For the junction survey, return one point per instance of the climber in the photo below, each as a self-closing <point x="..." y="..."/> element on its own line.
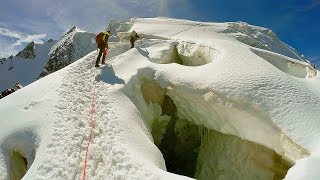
<point x="102" y="41"/>
<point x="133" y="38"/>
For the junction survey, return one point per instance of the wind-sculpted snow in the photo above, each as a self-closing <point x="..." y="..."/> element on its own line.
<point x="261" y="38"/>
<point x="188" y="100"/>
<point x="293" y="67"/>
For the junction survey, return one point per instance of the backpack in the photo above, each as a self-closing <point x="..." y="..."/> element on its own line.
<point x="99" y="38"/>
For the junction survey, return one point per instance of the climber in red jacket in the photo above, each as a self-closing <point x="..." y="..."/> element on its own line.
<point x="102" y="41"/>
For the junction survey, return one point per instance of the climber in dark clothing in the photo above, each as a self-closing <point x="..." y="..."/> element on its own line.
<point x="102" y="41"/>
<point x="133" y="38"/>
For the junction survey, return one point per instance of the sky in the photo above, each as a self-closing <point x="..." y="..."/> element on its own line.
<point x="296" y="22"/>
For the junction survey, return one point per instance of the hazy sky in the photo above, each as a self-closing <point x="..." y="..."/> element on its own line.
<point x="296" y="22"/>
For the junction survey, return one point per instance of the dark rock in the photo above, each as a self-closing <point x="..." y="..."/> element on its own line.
<point x="6" y="92"/>
<point x="71" y="30"/>
<point x="60" y="58"/>
<point x="28" y="52"/>
<point x="2" y="60"/>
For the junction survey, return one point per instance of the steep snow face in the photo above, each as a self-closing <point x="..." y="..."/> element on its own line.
<point x="39" y="60"/>
<point x="189" y="100"/>
<point x="26" y="66"/>
<point x="75" y="44"/>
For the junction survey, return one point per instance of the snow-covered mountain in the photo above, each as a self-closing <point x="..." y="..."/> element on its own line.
<point x="38" y="60"/>
<point x="192" y="100"/>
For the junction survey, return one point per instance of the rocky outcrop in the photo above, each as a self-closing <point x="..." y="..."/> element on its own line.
<point x="28" y="52"/>
<point x="72" y="30"/>
<point x="72" y="46"/>
<point x="2" y="60"/>
<point x="8" y="91"/>
<point x="59" y="59"/>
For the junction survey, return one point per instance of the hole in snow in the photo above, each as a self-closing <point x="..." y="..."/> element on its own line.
<point x="293" y="67"/>
<point x="178" y="145"/>
<point x="196" y="151"/>
<point x="19" y="153"/>
<point x="192" y="54"/>
<point x="188" y="54"/>
<point x="17" y="164"/>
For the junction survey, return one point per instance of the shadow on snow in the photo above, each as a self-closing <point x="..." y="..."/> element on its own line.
<point x="108" y="76"/>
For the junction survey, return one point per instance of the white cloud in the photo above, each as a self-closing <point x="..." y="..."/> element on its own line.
<point x="29" y="38"/>
<point x="53" y="17"/>
<point x="7" y="47"/>
<point x="94" y="15"/>
<point x="9" y="33"/>
<point x="6" y="50"/>
<point x="314" y="58"/>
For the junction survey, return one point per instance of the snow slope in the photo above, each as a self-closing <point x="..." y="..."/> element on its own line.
<point x="188" y="90"/>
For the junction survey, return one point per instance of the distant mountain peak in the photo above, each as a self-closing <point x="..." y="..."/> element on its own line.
<point x="28" y="52"/>
<point x="50" y="40"/>
<point x="73" y="29"/>
<point x="70" y="47"/>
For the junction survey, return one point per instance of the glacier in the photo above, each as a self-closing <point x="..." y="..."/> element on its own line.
<point x="192" y="100"/>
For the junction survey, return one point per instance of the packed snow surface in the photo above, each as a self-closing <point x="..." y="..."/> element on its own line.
<point x="266" y="97"/>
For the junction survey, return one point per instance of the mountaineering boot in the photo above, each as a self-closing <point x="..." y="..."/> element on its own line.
<point x="104" y="57"/>
<point x="97" y="62"/>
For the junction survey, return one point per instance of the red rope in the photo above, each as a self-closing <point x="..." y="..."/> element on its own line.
<point x="91" y="130"/>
